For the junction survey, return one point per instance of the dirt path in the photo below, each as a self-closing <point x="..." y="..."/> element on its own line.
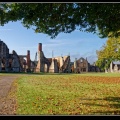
<point x="7" y="104"/>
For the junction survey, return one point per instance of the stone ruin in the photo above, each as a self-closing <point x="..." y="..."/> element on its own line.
<point x="114" y="67"/>
<point x="52" y="65"/>
<point x="17" y="63"/>
<point x="12" y="62"/>
<point x="82" y="65"/>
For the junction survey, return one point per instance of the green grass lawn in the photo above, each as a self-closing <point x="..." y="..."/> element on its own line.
<point x="68" y="94"/>
<point x="82" y="74"/>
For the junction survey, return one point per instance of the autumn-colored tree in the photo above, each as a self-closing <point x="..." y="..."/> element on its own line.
<point x="54" y="18"/>
<point x="109" y="52"/>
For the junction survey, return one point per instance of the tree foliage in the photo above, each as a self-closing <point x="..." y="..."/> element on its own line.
<point x="109" y="52"/>
<point x="54" y="18"/>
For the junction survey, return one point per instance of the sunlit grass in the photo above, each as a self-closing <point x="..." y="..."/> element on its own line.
<point x="68" y="94"/>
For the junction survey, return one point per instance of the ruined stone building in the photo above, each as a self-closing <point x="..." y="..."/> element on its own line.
<point x="114" y="67"/>
<point x="82" y="65"/>
<point x="94" y="68"/>
<point x="12" y="62"/>
<point x="53" y="65"/>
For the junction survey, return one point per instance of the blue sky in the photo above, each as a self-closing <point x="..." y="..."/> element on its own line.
<point x="78" y="44"/>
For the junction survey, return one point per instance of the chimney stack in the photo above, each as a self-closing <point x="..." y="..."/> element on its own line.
<point x="40" y="47"/>
<point x="28" y="52"/>
<point x="28" y="59"/>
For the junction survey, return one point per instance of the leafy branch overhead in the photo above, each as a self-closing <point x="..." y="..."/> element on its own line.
<point x="54" y="18"/>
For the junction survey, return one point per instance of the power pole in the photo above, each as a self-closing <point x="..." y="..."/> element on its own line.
<point x="69" y="54"/>
<point x="52" y="54"/>
<point x="35" y="57"/>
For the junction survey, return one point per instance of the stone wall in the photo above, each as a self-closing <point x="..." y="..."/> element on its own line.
<point x="53" y="67"/>
<point x="114" y="68"/>
<point x="48" y="64"/>
<point x="9" y="62"/>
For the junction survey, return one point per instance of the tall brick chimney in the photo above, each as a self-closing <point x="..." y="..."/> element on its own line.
<point x="40" y="47"/>
<point x="28" y="59"/>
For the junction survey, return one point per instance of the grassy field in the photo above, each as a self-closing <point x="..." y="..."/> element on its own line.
<point x="68" y="94"/>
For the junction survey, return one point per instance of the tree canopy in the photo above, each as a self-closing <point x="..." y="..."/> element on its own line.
<point x="54" y="18"/>
<point x="109" y="52"/>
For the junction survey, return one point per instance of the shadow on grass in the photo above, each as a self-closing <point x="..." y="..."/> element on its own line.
<point x="115" y="103"/>
<point x="112" y="112"/>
